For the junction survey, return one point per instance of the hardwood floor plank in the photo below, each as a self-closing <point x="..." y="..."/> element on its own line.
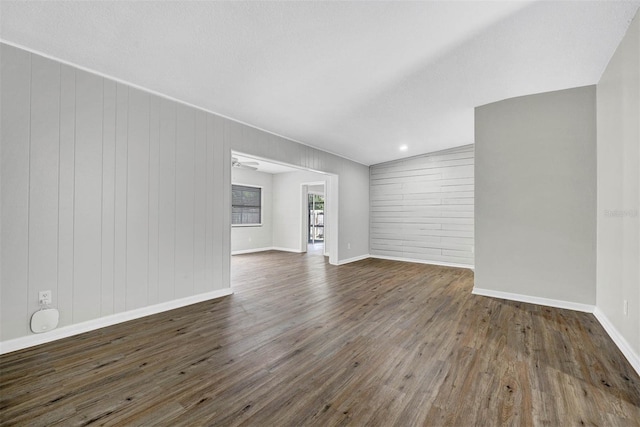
<point x="301" y="342"/>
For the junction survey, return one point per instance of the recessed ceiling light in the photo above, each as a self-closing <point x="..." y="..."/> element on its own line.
<point x="404" y="147"/>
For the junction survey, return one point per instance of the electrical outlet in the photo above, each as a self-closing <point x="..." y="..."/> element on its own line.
<point x="348" y="245"/>
<point x="44" y="297"/>
<point x="625" y="307"/>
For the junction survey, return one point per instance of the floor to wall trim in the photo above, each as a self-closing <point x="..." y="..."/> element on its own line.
<point x="621" y="342"/>
<point x="421" y="261"/>
<point x="250" y="251"/>
<point x="354" y="259"/>
<point x="297" y="251"/>
<point x="587" y="308"/>
<point x="90" y="325"/>
<point x="273" y="248"/>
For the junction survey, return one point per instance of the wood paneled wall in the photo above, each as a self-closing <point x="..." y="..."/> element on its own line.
<point x="113" y="198"/>
<point x="422" y="207"/>
<point x="117" y="199"/>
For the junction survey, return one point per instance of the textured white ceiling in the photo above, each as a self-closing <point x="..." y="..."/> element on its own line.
<point x="354" y="78"/>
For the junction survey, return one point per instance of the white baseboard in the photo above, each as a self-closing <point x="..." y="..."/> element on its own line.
<point x="421" y="261"/>
<point x="354" y="259"/>
<point x="250" y="251"/>
<point x="270" y="248"/>
<point x="90" y="325"/>
<point x="297" y="251"/>
<point x="621" y="342"/>
<point x="587" y="308"/>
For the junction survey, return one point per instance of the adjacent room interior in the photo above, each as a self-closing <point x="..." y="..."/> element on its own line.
<point x="320" y="213"/>
<point x="288" y="211"/>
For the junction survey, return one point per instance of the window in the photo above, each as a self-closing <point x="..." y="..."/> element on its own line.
<point x="246" y="205"/>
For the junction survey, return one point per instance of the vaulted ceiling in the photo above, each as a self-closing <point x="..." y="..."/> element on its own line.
<point x="358" y="79"/>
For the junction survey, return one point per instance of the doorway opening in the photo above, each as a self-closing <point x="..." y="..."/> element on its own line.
<point x="316" y="227"/>
<point x="316" y="218"/>
<point x="315" y="222"/>
<point x="288" y="223"/>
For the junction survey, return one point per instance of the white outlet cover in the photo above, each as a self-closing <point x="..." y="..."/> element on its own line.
<point x="44" y="320"/>
<point x="44" y="296"/>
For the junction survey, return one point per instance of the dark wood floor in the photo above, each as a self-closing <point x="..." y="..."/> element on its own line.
<point x="302" y="342"/>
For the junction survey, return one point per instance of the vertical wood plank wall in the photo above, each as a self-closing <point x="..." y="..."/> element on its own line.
<point x="117" y="199"/>
<point x="113" y="198"/>
<point x="422" y="207"/>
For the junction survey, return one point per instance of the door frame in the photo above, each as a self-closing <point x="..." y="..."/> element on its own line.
<point x="304" y="196"/>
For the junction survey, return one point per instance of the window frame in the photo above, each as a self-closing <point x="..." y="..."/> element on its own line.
<point x="259" y="187"/>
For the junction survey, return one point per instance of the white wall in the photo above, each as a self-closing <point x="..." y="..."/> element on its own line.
<point x="422" y="208"/>
<point x="618" y="266"/>
<point x="535" y="172"/>
<point x="248" y="239"/>
<point x="288" y="214"/>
